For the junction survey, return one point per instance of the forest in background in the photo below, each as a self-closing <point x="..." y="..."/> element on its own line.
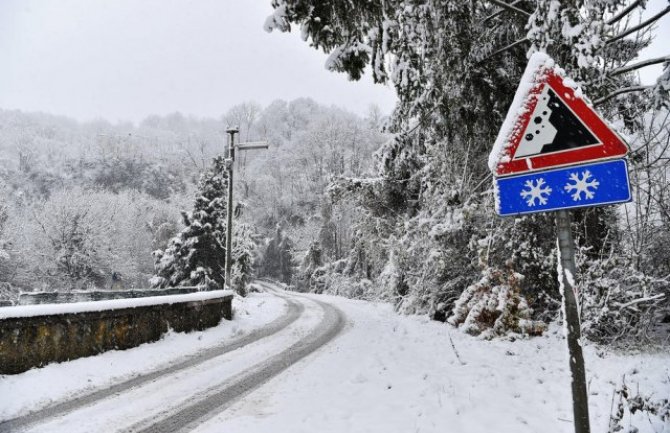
<point x="85" y="205"/>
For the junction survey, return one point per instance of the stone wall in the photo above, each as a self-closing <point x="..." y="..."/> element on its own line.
<point x="28" y="342"/>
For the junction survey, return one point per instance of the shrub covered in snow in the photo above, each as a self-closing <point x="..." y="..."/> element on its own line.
<point x="632" y="410"/>
<point x="336" y="278"/>
<point x="494" y="306"/>
<point x="620" y="304"/>
<point x="326" y="280"/>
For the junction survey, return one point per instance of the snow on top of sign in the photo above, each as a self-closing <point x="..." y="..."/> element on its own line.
<point x="537" y="65"/>
<point x="112" y="304"/>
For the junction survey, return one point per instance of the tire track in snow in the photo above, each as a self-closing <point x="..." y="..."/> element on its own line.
<point x="222" y="396"/>
<point x="295" y="310"/>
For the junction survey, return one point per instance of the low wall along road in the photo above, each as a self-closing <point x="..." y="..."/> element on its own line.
<point x="35" y="335"/>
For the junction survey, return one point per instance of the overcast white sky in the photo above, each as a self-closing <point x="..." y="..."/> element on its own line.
<point x="126" y="59"/>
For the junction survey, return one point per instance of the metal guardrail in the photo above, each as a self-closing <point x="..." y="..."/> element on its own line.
<point x="34" y="298"/>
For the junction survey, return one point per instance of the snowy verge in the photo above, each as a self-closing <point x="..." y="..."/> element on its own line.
<point x="397" y="374"/>
<point x="112" y="304"/>
<point x="41" y="387"/>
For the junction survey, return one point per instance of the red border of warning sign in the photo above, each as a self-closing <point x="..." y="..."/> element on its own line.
<point x="612" y="146"/>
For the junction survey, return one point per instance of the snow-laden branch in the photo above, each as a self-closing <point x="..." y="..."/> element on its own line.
<point x="495" y="14"/>
<point x="649" y="62"/>
<point x="639" y="26"/>
<point x="510" y="7"/>
<point x="507" y="48"/>
<point x="621" y="92"/>
<point x="616" y="18"/>
<point x="646" y="299"/>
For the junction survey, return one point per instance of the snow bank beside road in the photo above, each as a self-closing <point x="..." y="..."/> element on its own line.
<point x="40" y="387"/>
<point x="112" y="304"/>
<point x="395" y="374"/>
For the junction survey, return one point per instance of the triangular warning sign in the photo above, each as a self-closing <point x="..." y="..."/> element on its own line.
<point x="550" y="125"/>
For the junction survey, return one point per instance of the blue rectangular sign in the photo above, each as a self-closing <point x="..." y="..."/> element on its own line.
<point x="586" y="185"/>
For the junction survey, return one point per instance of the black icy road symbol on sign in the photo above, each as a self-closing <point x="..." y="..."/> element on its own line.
<point x="553" y="127"/>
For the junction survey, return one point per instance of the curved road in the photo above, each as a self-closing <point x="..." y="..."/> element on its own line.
<point x="185" y="394"/>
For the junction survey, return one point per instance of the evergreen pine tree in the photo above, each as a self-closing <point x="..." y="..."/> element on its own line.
<point x="196" y="255"/>
<point x="243" y="258"/>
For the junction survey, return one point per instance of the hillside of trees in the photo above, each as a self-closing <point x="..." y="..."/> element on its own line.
<point x="98" y="205"/>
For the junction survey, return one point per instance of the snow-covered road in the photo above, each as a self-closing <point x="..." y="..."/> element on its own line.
<point x="182" y="393"/>
<point x="383" y="373"/>
<point x="389" y="373"/>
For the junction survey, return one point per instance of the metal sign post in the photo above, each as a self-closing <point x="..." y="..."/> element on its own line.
<point x="567" y="271"/>
<point x="229" y="166"/>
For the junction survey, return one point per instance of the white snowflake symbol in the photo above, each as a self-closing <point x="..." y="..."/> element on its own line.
<point x="582" y="184"/>
<point x="536" y="191"/>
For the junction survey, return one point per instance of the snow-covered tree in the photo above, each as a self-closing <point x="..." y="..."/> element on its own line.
<point x="7" y="291"/>
<point x="243" y="258"/>
<point x="196" y="255"/>
<point x="244" y="116"/>
<point x="328" y="233"/>
<point x="304" y="280"/>
<point x="455" y="67"/>
<point x="4" y="254"/>
<point x="277" y="260"/>
<point x="130" y="172"/>
<point x="79" y="238"/>
<point x="68" y="239"/>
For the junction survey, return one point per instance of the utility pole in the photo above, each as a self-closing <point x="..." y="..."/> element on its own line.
<point x="230" y="161"/>
<point x="229" y="227"/>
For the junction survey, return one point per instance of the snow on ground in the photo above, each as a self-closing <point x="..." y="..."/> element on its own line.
<point x="384" y="373"/>
<point x="169" y="393"/>
<point x="39" y="387"/>
<point x="388" y="373"/>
